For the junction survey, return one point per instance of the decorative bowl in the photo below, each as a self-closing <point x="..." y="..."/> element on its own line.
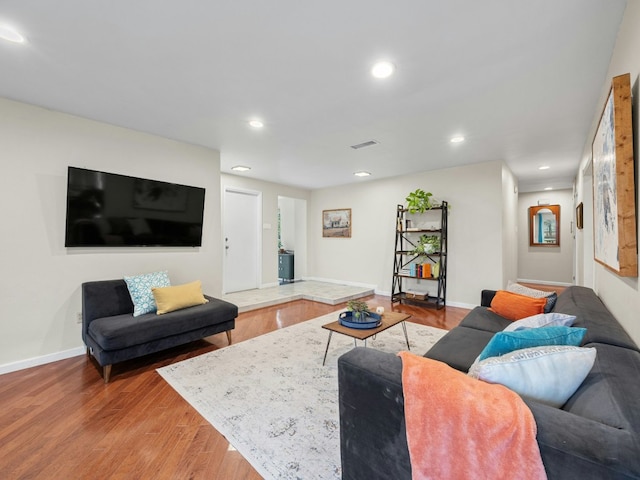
<point x="347" y="319"/>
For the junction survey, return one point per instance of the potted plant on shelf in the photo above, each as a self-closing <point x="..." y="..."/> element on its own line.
<point x="419" y="201"/>
<point x="427" y="244"/>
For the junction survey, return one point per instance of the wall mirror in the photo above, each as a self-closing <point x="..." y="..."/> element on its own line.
<point x="544" y="226"/>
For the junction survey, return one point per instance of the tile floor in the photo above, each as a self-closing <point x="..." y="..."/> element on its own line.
<point x="329" y="293"/>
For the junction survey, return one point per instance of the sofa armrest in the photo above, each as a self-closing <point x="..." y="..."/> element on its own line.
<point x="373" y="439"/>
<point x="487" y="296"/>
<point x="574" y="447"/>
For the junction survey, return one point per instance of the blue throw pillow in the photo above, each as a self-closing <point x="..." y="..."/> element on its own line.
<point x="140" y="290"/>
<point x="505" y="342"/>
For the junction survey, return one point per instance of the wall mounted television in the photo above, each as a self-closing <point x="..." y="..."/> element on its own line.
<point x="111" y="210"/>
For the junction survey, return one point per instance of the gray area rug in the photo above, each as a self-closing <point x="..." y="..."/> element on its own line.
<point x="274" y="401"/>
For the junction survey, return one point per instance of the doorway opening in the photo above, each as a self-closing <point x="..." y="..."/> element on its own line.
<point x="292" y="239"/>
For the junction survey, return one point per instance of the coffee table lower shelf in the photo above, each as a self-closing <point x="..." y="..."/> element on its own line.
<point x="389" y="319"/>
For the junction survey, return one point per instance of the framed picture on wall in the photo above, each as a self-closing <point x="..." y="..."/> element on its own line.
<point x="614" y="203"/>
<point x="336" y="223"/>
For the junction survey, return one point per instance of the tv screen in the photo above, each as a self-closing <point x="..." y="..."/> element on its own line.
<point x="106" y="209"/>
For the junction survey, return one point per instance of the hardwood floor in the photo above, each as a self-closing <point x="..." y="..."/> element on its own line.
<point x="60" y="421"/>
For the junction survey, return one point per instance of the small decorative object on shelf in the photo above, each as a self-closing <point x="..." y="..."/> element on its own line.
<point x="359" y="316"/>
<point x="421" y="251"/>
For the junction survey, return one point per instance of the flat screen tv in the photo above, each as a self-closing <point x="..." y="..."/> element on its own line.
<point x="106" y="209"/>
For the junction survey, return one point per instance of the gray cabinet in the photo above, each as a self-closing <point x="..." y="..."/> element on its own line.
<point x="285" y="266"/>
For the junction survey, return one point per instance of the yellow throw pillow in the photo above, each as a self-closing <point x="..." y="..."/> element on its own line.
<point x="170" y="299"/>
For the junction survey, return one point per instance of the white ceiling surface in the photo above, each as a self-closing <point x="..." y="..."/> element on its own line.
<point x="521" y="80"/>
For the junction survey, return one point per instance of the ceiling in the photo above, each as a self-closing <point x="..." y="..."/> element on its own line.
<point x="521" y="80"/>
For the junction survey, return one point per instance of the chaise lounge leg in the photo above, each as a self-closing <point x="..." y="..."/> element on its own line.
<point x="229" y="336"/>
<point x="106" y="373"/>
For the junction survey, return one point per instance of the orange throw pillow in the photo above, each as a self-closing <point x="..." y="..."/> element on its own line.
<point x="514" y="307"/>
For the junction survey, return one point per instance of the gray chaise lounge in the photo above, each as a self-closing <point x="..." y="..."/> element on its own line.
<point x="112" y="334"/>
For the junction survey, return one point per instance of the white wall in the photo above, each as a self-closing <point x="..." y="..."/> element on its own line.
<point x="40" y="285"/>
<point x="620" y="294"/>
<point x="546" y="264"/>
<point x="509" y="226"/>
<point x="475" y="229"/>
<point x="270" y="192"/>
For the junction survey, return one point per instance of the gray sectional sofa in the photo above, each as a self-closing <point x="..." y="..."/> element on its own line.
<point x="112" y="334"/>
<point x="595" y="435"/>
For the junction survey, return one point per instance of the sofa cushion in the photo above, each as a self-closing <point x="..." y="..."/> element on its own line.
<point x="122" y="331"/>
<point x="514" y="307"/>
<point x="140" y="290"/>
<point x="548" y="374"/>
<point x="481" y="318"/>
<point x="553" y="319"/>
<point x="505" y="342"/>
<point x="460" y="347"/>
<point x="611" y="392"/>
<point x="590" y="312"/>
<point x="170" y="299"/>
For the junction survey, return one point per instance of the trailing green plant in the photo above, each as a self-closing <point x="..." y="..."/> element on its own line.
<point x="427" y="244"/>
<point x="359" y="308"/>
<point x="419" y="201"/>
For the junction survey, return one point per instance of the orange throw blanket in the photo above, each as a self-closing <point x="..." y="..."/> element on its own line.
<point x="462" y="428"/>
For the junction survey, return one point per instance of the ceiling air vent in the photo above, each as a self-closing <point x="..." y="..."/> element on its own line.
<point x="370" y="143"/>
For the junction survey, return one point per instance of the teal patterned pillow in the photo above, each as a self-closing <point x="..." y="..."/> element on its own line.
<point x="140" y="290"/>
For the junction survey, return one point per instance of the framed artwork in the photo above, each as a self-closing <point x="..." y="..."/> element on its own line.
<point x="579" y="216"/>
<point x="614" y="206"/>
<point x="336" y="223"/>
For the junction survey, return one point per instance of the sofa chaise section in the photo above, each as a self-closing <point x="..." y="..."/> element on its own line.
<point x="594" y="435"/>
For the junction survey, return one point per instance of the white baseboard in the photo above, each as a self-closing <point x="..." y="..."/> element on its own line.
<point x="468" y="306"/>
<point x="340" y="282"/>
<point x="44" y="359"/>
<point x="544" y="282"/>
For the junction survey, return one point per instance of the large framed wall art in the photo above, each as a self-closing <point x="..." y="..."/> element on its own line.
<point x="614" y="206"/>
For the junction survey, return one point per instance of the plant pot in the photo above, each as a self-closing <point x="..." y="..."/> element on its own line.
<point x="429" y="248"/>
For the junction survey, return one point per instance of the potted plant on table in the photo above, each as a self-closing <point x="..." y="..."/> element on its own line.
<point x="359" y="316"/>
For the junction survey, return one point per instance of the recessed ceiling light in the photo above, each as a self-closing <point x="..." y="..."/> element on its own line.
<point x="10" y="34"/>
<point x="457" y="139"/>
<point x="548" y="188"/>
<point x="544" y="167"/>
<point x="256" y="124"/>
<point x="383" y="69"/>
<point x="241" y="168"/>
<point x="362" y="174"/>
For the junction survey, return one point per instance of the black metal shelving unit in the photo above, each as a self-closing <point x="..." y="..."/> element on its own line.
<point x="406" y="242"/>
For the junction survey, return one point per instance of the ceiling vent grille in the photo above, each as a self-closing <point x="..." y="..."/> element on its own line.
<point x="370" y="143"/>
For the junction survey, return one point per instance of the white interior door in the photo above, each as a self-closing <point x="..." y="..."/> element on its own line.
<point x="242" y="239"/>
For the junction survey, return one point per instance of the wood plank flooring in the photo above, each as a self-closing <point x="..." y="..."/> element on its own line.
<point x="60" y="421"/>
